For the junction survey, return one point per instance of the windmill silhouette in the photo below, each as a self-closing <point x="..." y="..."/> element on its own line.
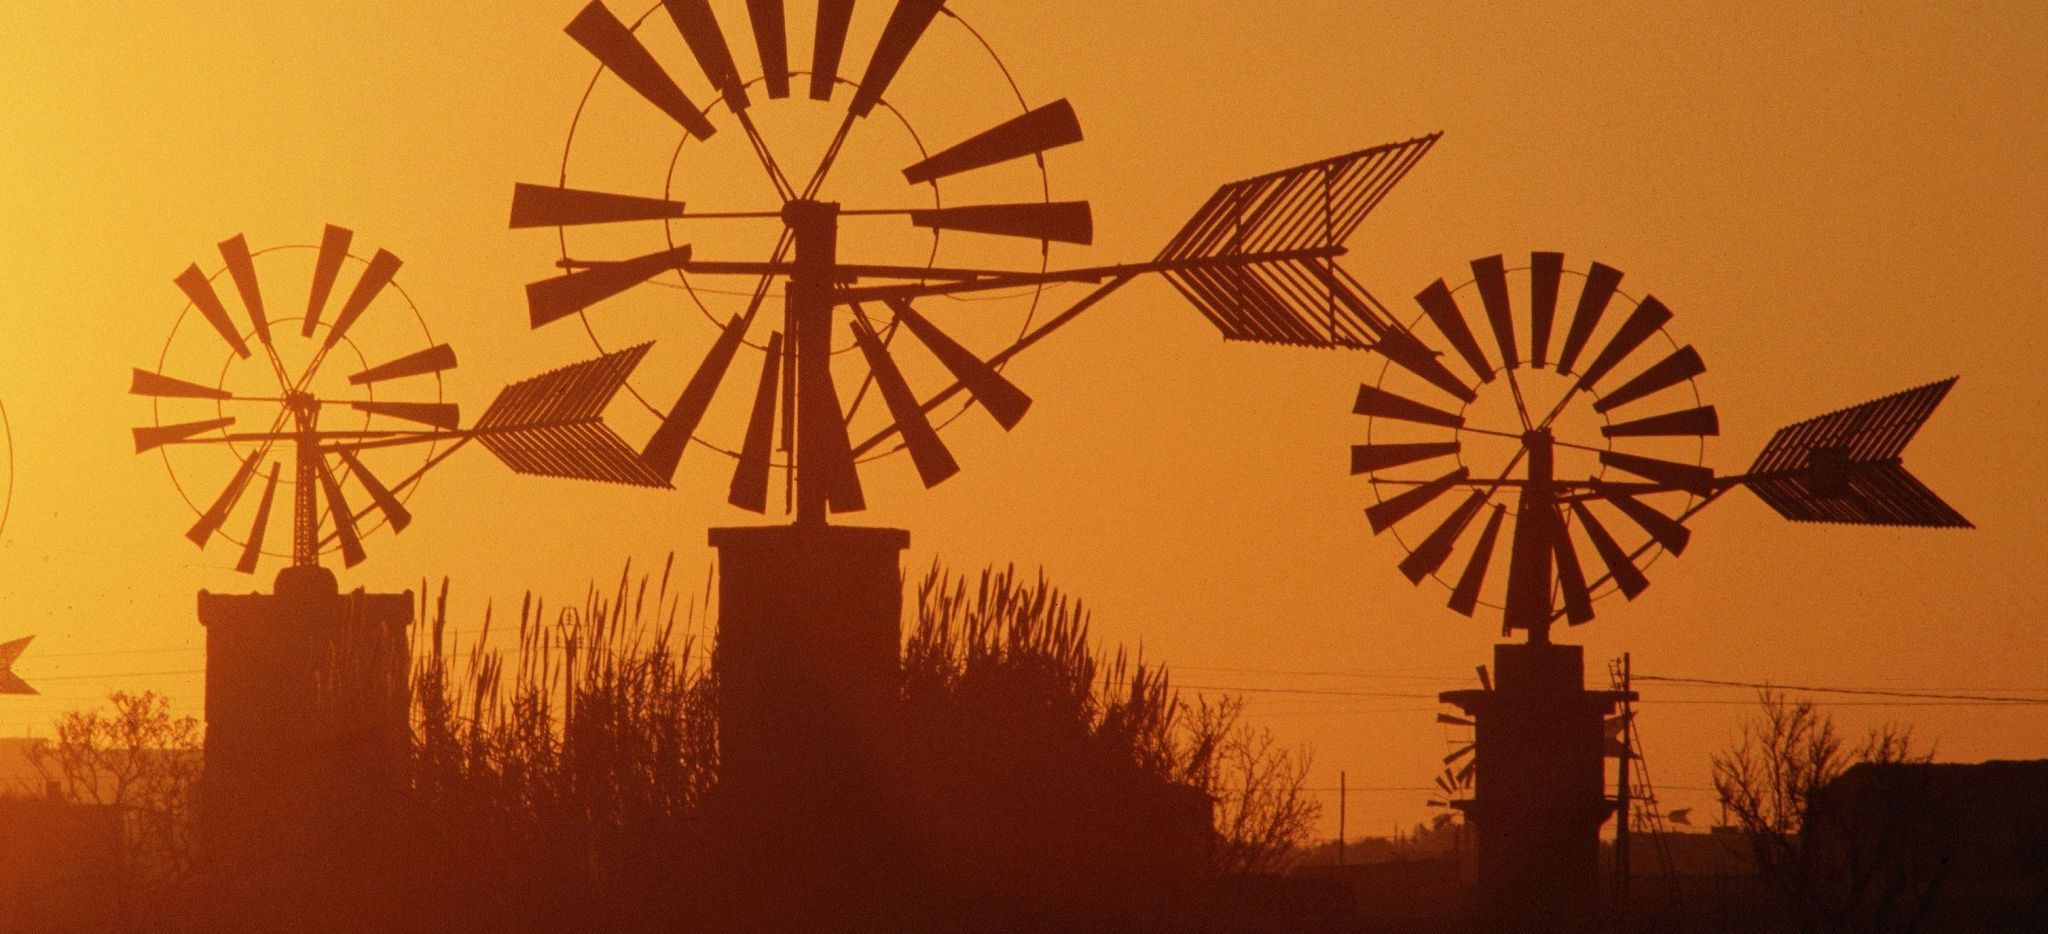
<point x="809" y="611"/>
<point x="1593" y="451"/>
<point x="307" y="699"/>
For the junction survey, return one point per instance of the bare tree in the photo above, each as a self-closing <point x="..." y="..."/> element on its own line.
<point x="1263" y="810"/>
<point x="1849" y="836"/>
<point x="144" y="762"/>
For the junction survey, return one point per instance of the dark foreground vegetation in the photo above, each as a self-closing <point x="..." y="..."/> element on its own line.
<point x="564" y="775"/>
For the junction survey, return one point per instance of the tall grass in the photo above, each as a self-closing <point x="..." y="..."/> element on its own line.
<point x="562" y="781"/>
<point x="1011" y="660"/>
<point x="563" y="776"/>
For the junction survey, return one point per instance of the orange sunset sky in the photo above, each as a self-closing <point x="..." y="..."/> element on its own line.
<point x="1837" y="204"/>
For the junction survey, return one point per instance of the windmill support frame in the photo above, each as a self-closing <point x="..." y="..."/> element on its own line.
<point x="1539" y="794"/>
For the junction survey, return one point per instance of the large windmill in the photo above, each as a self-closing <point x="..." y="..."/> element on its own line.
<point x="906" y="274"/>
<point x="1574" y="436"/>
<point x="338" y="412"/>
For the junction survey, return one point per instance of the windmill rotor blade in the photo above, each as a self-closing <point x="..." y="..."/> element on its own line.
<point x="1395" y="508"/>
<point x="1649" y="316"/>
<point x="1442" y="308"/>
<point x="1620" y="566"/>
<point x="156" y="436"/>
<point x="443" y="415"/>
<point x="383" y="268"/>
<point x="242" y="268"/>
<point x="551" y="300"/>
<point x="252" y="548"/>
<point x="906" y="25"/>
<point x="771" y="38"/>
<point x="699" y="27"/>
<point x="664" y="451"/>
<point x="1464" y="777"/>
<point x="334" y="243"/>
<point x="985" y="383"/>
<point x="615" y="46"/>
<point x="434" y="359"/>
<point x="1683" y="364"/>
<point x="934" y="463"/>
<point x="828" y="454"/>
<point x="1465" y="596"/>
<point x="1436" y="549"/>
<point x="1458" y="753"/>
<point x="1701" y="422"/>
<point x="210" y="521"/>
<point x="344" y="519"/>
<point x="1689" y="477"/>
<point x="1571" y="578"/>
<point x="1379" y="403"/>
<point x="552" y="206"/>
<point x="1601" y="283"/>
<point x="1063" y="221"/>
<point x="1491" y="275"/>
<point x="145" y="383"/>
<point x="1366" y="458"/>
<point x="1663" y="529"/>
<point x="1444" y="785"/>
<point x="1546" y="270"/>
<point x="833" y="18"/>
<point x="750" y="479"/>
<point x="1028" y="134"/>
<point x="387" y="502"/>
<point x="1409" y="354"/>
<point x="1449" y="720"/>
<point x="194" y="284"/>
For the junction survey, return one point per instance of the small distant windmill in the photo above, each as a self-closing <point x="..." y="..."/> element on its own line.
<point x="307" y="698"/>
<point x="1557" y="450"/>
<point x="1552" y="450"/>
<point x="310" y="401"/>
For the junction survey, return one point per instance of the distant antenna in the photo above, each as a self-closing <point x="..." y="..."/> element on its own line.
<point x="304" y="403"/>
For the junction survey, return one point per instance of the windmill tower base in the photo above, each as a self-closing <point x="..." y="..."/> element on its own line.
<point x="808" y="661"/>
<point x="1539" y="792"/>
<point x="306" y="743"/>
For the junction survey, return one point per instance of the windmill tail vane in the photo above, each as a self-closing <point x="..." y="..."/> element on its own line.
<point x="1846" y="467"/>
<point x="11" y="683"/>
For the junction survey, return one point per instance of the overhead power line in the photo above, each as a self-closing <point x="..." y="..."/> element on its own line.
<point x="1869" y="692"/>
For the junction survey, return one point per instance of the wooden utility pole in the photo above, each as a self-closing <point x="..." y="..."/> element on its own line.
<point x="1341" y="794"/>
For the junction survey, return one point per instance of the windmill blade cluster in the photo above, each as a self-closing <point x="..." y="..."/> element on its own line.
<point x="1555" y="516"/>
<point x="292" y="408"/>
<point x="1845" y="467"/>
<point x="786" y="389"/>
